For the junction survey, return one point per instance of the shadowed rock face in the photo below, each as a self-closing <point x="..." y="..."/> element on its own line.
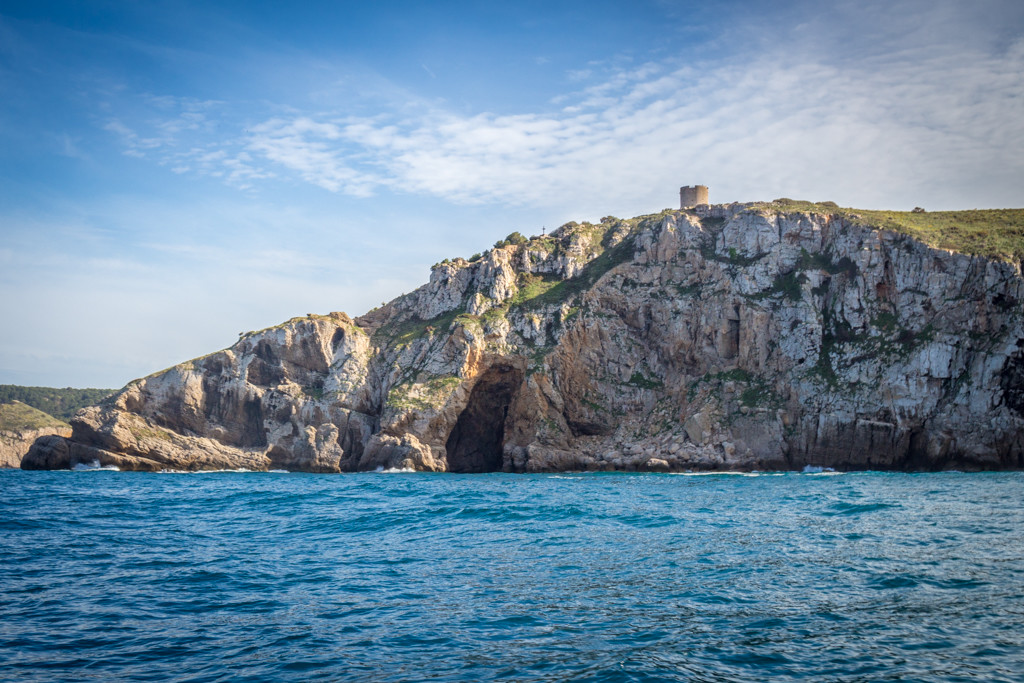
<point x="476" y="444"/>
<point x="760" y="340"/>
<point x="1011" y="380"/>
<point x="15" y="444"/>
<point x="20" y="427"/>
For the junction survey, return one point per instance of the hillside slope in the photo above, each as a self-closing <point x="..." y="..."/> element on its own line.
<point x="60" y="403"/>
<point x="20" y="426"/>
<point x="768" y="337"/>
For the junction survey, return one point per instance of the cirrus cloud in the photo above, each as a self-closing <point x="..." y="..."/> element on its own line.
<point x="916" y="121"/>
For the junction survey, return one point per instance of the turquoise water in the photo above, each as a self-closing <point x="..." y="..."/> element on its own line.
<point x="599" y="577"/>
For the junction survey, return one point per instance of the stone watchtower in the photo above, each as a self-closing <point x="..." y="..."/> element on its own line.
<point x="693" y="196"/>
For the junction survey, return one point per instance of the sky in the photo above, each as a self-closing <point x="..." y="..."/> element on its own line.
<point x="174" y="173"/>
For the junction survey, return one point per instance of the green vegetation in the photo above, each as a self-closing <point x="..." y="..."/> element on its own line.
<point x="16" y="416"/>
<point x="756" y="392"/>
<point x="819" y="261"/>
<point x="548" y="245"/>
<point x="712" y="224"/>
<point x="734" y="375"/>
<point x="734" y="258"/>
<point x="638" y="380"/>
<point x="559" y="291"/>
<point x="885" y="321"/>
<point x="887" y="340"/>
<point x="787" y="285"/>
<point x="586" y="240"/>
<point x="532" y="286"/>
<point x="422" y="395"/>
<point x="993" y="233"/>
<point x="542" y="290"/>
<point x="604" y="246"/>
<point x="141" y="431"/>
<point x="60" y="403"/>
<point x="759" y="394"/>
<point x="689" y="290"/>
<point x="315" y="391"/>
<point x="537" y="357"/>
<point x="823" y="367"/>
<point x="406" y="331"/>
<point x="516" y="238"/>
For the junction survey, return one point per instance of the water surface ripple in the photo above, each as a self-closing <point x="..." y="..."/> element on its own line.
<point x="409" y="577"/>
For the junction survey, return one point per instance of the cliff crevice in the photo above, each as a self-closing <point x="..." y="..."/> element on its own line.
<point x="767" y="339"/>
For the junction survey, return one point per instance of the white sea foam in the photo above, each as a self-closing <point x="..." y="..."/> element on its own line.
<point x="714" y="473"/>
<point x="200" y="471"/>
<point x="241" y="469"/>
<point x="278" y="471"/>
<point x="394" y="470"/>
<point x="817" y="469"/>
<point x="94" y="466"/>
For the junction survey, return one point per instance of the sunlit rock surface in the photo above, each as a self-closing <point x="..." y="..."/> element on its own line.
<point x="761" y="340"/>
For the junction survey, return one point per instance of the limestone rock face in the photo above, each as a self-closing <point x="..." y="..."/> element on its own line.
<point x="761" y="340"/>
<point x="15" y="444"/>
<point x="20" y="426"/>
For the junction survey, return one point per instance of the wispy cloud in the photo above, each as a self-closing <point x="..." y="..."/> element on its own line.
<point x="170" y="296"/>
<point x="312" y="149"/>
<point x="906" y="122"/>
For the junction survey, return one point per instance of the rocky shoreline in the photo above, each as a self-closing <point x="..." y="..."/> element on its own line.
<point x="20" y="427"/>
<point x="757" y="339"/>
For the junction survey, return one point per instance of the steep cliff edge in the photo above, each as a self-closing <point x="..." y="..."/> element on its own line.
<point x="20" y="426"/>
<point x="759" y="339"/>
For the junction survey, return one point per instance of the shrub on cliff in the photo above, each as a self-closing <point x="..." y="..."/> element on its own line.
<point x="513" y="239"/>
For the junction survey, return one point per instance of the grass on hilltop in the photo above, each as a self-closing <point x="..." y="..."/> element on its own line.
<point x="993" y="233"/>
<point x="17" y="416"/>
<point x="61" y="403"/>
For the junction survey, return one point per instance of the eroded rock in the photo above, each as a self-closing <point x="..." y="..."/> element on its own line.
<point x="758" y="341"/>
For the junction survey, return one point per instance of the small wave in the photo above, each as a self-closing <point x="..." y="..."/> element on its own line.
<point x="279" y="471"/>
<point x="817" y="469"/>
<point x="94" y="466"/>
<point x="716" y="473"/>
<point x="843" y="508"/>
<point x="394" y="470"/>
<point x="893" y="581"/>
<point x="169" y="471"/>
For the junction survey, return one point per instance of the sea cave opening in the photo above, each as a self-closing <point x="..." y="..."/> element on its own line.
<point x="476" y="444"/>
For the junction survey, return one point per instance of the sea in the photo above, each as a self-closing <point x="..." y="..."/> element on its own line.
<point x="395" y="576"/>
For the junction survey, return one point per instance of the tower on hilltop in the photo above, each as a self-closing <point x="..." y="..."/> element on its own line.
<point x="693" y="196"/>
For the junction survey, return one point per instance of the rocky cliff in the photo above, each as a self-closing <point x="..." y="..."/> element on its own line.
<point x="757" y="339"/>
<point x="20" y="426"/>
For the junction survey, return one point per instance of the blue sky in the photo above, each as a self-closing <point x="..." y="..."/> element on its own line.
<point x="174" y="173"/>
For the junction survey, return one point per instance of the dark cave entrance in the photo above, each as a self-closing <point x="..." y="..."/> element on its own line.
<point x="476" y="443"/>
